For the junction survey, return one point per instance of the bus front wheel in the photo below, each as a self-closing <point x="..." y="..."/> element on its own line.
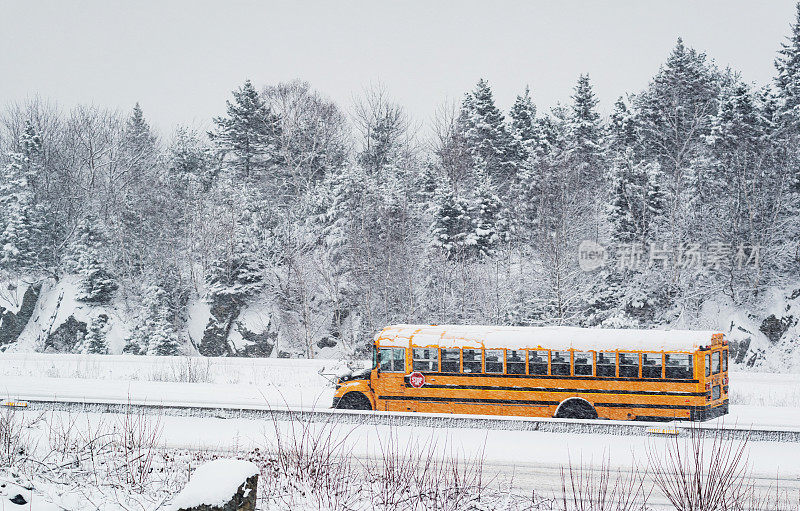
<point x="575" y="409"/>
<point x="354" y="401"/>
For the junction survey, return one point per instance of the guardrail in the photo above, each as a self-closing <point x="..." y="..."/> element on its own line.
<point x="405" y="419"/>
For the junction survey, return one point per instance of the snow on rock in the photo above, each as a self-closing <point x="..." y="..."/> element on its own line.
<point x="58" y="307"/>
<point x="199" y="314"/>
<point x="216" y="483"/>
<point x="15" y="497"/>
<point x="11" y="295"/>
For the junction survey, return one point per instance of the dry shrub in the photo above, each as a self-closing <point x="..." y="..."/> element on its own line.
<point x="704" y="472"/>
<point x="311" y="465"/>
<point x="184" y="370"/>
<point x="13" y="438"/>
<point x="416" y="476"/>
<point x="586" y="489"/>
<point x="137" y="437"/>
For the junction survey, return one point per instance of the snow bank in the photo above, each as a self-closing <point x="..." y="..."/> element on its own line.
<point x="214" y="483"/>
<point x="559" y="337"/>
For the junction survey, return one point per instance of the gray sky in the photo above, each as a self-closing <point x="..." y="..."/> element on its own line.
<point x="181" y="59"/>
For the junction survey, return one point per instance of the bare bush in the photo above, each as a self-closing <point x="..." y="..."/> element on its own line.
<point x="705" y="472"/>
<point x="586" y="489"/>
<point x="137" y="438"/>
<point x="185" y="370"/>
<point x="13" y="438"/>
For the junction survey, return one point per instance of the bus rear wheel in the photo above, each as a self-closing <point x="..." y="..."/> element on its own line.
<point x="354" y="401"/>
<point x="575" y="409"/>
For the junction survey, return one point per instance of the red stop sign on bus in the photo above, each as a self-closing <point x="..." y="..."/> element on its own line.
<point x="416" y="379"/>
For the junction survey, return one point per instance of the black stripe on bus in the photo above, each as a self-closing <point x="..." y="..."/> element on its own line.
<point x="529" y="402"/>
<point x="545" y="389"/>
<point x="468" y="400"/>
<point x="559" y="377"/>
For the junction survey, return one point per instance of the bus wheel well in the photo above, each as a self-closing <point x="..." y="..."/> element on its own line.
<point x="575" y="408"/>
<point x="354" y="401"/>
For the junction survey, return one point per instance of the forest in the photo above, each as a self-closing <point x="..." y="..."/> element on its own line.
<point x="295" y="226"/>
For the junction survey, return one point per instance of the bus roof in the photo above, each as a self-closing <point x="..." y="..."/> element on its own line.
<point x="553" y="337"/>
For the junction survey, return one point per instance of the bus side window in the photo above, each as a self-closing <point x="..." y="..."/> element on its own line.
<point x="559" y="364"/>
<point x="426" y="359"/>
<point x="725" y="360"/>
<point x="537" y="362"/>
<point x="472" y="361"/>
<point x="494" y="361"/>
<point x="607" y="364"/>
<point x="393" y="360"/>
<point x="399" y="355"/>
<point x="708" y="365"/>
<point x="715" y="362"/>
<point x="451" y="360"/>
<point x="584" y="363"/>
<point x="515" y="362"/>
<point x="651" y="365"/>
<point x="679" y="366"/>
<point x="629" y="365"/>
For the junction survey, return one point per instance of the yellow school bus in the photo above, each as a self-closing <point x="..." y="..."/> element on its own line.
<point x="564" y="372"/>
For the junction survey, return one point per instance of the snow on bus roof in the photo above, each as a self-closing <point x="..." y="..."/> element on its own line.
<point x="552" y="337"/>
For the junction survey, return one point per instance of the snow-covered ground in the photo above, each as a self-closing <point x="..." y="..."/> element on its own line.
<point x="523" y="459"/>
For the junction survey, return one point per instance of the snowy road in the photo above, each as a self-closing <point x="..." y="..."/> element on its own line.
<point x="758" y="400"/>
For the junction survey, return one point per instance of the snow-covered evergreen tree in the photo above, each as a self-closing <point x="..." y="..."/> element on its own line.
<point x="155" y="333"/>
<point x="21" y="218"/>
<point x="787" y="64"/>
<point x="95" y="340"/>
<point x="636" y="198"/>
<point x="190" y="162"/>
<point x="488" y="139"/>
<point x="585" y="135"/>
<point x="524" y="129"/>
<point x="488" y="219"/>
<point x="452" y="231"/>
<point x="85" y="258"/>
<point x="248" y="136"/>
<point x="621" y="128"/>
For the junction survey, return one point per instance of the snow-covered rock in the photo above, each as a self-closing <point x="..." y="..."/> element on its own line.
<point x="219" y="485"/>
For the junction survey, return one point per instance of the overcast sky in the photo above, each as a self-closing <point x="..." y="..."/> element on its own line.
<point x="180" y="60"/>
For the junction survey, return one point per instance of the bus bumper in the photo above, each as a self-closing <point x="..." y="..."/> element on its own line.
<point x="704" y="413"/>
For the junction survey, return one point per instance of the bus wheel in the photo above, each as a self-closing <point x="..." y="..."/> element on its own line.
<point x="354" y="401"/>
<point x="575" y="409"/>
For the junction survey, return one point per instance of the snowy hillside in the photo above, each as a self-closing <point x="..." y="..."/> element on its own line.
<point x="298" y="228"/>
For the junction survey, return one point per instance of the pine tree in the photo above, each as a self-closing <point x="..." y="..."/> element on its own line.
<point x="523" y="129"/>
<point x="248" y="136"/>
<point x="490" y="226"/>
<point x="190" y="162"/>
<point x="621" y="128"/>
<point x="21" y="218"/>
<point x="676" y="110"/>
<point x="788" y="66"/>
<point x="155" y="333"/>
<point x="485" y="131"/>
<point x="140" y="146"/>
<point x="636" y="199"/>
<point x="95" y="340"/>
<point x="85" y="258"/>
<point x="585" y="135"/>
<point x="452" y="230"/>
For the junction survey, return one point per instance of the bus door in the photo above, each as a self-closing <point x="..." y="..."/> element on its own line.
<point x="390" y="381"/>
<point x="714" y="375"/>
